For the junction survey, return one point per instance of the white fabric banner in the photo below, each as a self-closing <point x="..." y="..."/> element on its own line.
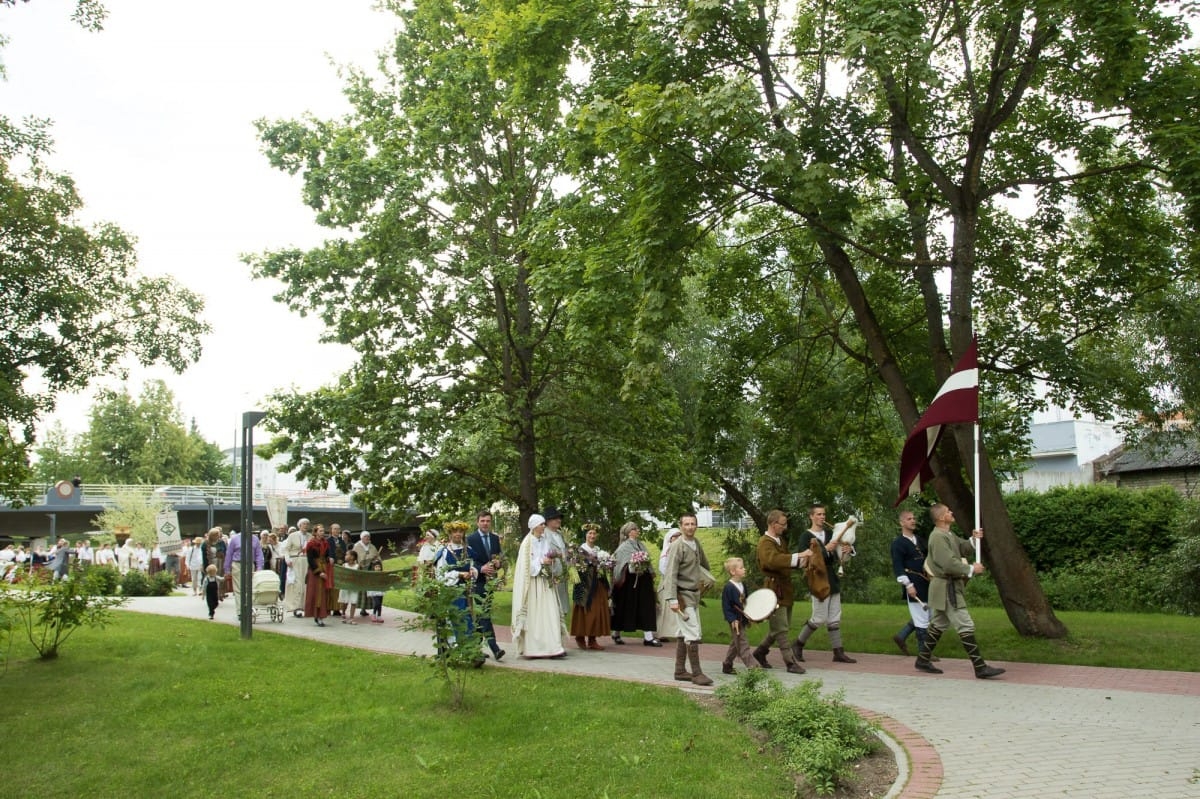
<point x="167" y="525"/>
<point x="277" y="510"/>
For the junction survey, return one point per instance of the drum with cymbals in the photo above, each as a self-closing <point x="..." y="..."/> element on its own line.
<point x="760" y="604"/>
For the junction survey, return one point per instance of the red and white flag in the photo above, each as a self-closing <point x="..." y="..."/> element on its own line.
<point x="957" y="401"/>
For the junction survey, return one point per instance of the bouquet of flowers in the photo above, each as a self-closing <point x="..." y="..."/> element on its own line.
<point x="548" y="568"/>
<point x="639" y="562"/>
<point x="500" y="575"/>
<point x="574" y="561"/>
<point x="605" y="561"/>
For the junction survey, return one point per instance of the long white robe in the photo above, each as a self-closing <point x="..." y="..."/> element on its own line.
<point x="292" y="548"/>
<point x="537" y="625"/>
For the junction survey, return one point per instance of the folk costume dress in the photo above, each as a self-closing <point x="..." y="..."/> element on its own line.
<point x="589" y="615"/>
<point x="318" y="588"/>
<point x="536" y="616"/>
<point x="453" y="568"/>
<point x="633" y="596"/>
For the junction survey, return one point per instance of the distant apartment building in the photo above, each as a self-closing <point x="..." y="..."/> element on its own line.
<point x="1064" y="450"/>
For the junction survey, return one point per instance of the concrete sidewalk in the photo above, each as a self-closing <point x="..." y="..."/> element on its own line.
<point x="1037" y="731"/>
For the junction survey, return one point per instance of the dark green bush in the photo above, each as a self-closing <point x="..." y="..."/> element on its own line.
<point x="136" y="583"/>
<point x="1180" y="568"/>
<point x="1107" y="584"/>
<point x="1076" y="524"/>
<point x="821" y="737"/>
<point x="162" y="584"/>
<point x="102" y="580"/>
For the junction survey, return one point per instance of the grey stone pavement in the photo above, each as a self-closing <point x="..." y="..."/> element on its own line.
<point x="1037" y="731"/>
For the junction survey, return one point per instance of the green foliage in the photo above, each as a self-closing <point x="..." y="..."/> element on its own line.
<point x="132" y="441"/>
<point x="1076" y="524"/>
<point x="457" y="641"/>
<point x="136" y="583"/>
<point x="1180" y="568"/>
<point x="820" y="737"/>
<point x="102" y="580"/>
<point x="132" y="509"/>
<point x="50" y="612"/>
<point x="491" y="341"/>
<point x="73" y="305"/>
<point x="1107" y="583"/>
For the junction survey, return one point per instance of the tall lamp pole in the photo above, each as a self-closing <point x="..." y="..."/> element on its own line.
<point x="249" y="419"/>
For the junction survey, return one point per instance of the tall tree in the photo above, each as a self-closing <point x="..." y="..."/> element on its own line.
<point x="478" y="377"/>
<point x="72" y="304"/>
<point x="144" y="440"/>
<point x="898" y="138"/>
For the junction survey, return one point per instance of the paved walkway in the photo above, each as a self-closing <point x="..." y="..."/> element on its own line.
<point x="1037" y="731"/>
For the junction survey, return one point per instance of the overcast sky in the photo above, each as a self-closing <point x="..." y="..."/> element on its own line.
<point x="153" y="118"/>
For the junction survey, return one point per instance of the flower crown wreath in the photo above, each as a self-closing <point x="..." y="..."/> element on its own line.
<point x="456" y="527"/>
<point x="591" y="526"/>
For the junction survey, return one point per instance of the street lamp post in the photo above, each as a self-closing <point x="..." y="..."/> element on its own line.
<point x="249" y="419"/>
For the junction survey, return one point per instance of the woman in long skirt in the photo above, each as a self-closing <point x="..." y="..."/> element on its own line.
<point x="633" y="594"/>
<point x="536" y="618"/>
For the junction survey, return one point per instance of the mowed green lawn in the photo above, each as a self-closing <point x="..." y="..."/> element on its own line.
<point x="154" y="706"/>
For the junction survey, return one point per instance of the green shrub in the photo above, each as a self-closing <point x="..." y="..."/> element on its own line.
<point x="1076" y="524"/>
<point x="820" y="737"/>
<point x="162" y="584"/>
<point x="982" y="591"/>
<point x="1108" y="584"/>
<point x="103" y="580"/>
<point x="50" y="613"/>
<point x="1180" y="575"/>
<point x="136" y="583"/>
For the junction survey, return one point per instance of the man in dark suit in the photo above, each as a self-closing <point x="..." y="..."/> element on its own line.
<point x="482" y="546"/>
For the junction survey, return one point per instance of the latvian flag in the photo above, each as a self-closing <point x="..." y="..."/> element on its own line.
<point x="956" y="401"/>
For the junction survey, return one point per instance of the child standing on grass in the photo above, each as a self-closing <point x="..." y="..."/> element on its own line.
<point x="348" y="597"/>
<point x="733" y="603"/>
<point x="212" y="589"/>
<point x="375" y="598"/>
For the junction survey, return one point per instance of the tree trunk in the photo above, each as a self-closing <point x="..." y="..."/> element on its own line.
<point x="1003" y="555"/>
<point x="744" y="502"/>
<point x="1022" y="595"/>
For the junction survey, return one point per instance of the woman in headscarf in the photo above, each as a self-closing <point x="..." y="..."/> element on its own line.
<point x="633" y="588"/>
<point x="536" y="617"/>
<point x="668" y="620"/>
<point x="589" y="614"/>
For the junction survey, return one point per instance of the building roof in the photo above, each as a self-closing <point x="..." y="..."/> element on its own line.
<point x="1178" y="453"/>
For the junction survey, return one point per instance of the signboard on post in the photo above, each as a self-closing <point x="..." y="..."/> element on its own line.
<point x="167" y="526"/>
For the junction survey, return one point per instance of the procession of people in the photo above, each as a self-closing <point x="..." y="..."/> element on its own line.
<point x="564" y="590"/>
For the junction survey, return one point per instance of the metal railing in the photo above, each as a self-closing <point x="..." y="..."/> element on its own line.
<point x="108" y="494"/>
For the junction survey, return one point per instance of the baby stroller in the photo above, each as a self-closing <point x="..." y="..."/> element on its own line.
<point x="264" y="595"/>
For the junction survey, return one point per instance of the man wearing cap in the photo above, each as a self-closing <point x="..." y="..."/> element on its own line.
<point x="554" y="538"/>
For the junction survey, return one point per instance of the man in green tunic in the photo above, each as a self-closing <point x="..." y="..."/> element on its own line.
<point x="949" y="571"/>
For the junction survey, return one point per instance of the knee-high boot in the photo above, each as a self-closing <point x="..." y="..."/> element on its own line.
<point x="801" y="640"/>
<point x="698" y="675"/>
<point x="928" y="642"/>
<point x="982" y="669"/>
<point x="761" y="651"/>
<point x="681" y="653"/>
